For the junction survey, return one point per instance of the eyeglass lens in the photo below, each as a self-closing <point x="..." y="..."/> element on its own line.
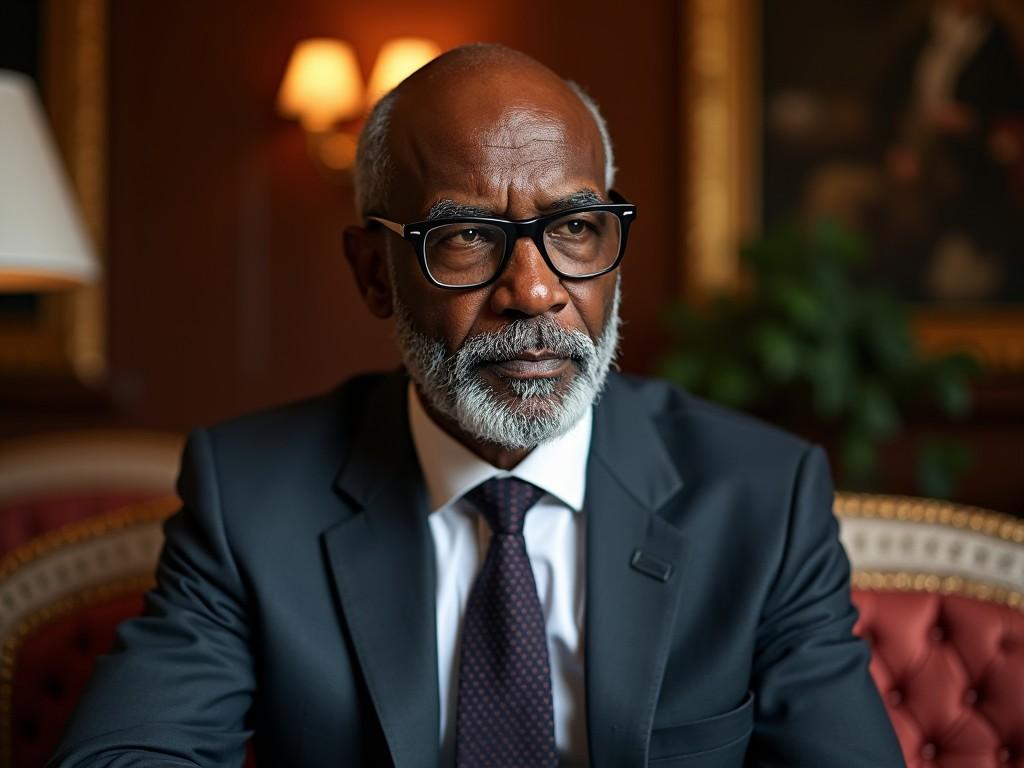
<point x="578" y="244"/>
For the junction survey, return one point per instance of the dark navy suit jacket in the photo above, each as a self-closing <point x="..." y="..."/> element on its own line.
<point x="295" y="599"/>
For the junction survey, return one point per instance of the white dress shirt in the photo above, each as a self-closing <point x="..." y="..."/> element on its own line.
<point x="554" y="533"/>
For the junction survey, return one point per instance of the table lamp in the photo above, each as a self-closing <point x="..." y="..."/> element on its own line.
<point x="43" y="241"/>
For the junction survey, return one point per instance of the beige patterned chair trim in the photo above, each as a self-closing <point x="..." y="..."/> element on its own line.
<point x="80" y="556"/>
<point x="909" y="544"/>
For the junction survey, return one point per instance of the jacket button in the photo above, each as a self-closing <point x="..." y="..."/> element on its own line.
<point x="928" y="751"/>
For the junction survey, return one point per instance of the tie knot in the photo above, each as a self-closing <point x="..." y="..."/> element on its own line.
<point x="504" y="502"/>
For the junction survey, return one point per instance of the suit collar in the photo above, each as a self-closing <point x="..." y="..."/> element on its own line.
<point x="627" y="441"/>
<point x="381" y="440"/>
<point x="635" y="562"/>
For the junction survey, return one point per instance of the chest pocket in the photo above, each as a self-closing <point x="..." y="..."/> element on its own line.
<point x="714" y="742"/>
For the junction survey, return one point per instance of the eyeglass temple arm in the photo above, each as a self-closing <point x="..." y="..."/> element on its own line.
<point x="395" y="227"/>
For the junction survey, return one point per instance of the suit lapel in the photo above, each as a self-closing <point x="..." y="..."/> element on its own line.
<point x="382" y="563"/>
<point x="634" y="570"/>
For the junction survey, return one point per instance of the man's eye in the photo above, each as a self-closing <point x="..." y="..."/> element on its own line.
<point x="465" y="237"/>
<point x="574" y="227"/>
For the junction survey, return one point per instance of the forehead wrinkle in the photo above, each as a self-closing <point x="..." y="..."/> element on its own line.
<point x="521" y="129"/>
<point x="506" y="159"/>
<point x="516" y="147"/>
<point x="523" y="145"/>
<point x="514" y="172"/>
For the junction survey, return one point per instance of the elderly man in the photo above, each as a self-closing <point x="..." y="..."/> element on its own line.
<point x="502" y="555"/>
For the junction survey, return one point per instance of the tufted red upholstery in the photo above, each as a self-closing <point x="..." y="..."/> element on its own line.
<point x="951" y="671"/>
<point x="51" y="670"/>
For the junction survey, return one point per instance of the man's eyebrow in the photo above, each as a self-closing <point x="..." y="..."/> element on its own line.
<point x="575" y="200"/>
<point x="448" y="208"/>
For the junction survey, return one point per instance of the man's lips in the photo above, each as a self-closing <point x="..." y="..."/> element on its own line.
<point x="531" y="365"/>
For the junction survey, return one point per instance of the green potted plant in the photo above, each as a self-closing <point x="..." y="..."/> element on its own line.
<point x="809" y="329"/>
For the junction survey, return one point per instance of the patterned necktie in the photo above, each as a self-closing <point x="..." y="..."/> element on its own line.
<point x="505" y="717"/>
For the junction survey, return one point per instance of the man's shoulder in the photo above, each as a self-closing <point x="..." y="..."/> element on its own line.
<point x="706" y="433"/>
<point x="304" y="432"/>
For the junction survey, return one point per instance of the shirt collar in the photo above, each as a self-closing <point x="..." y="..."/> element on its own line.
<point x="450" y="470"/>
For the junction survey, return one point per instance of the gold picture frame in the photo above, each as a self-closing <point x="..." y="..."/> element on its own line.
<point x="66" y="337"/>
<point x="720" y="171"/>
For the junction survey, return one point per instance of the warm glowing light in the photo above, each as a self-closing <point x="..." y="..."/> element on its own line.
<point x="322" y="84"/>
<point x="398" y="59"/>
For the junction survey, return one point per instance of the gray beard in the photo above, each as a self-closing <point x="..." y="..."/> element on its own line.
<point x="538" y="409"/>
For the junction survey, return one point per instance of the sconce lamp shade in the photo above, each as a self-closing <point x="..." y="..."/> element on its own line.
<point x="322" y="84"/>
<point x="398" y="59"/>
<point x="43" y="242"/>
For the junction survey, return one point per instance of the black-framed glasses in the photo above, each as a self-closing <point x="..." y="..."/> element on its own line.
<point x="471" y="251"/>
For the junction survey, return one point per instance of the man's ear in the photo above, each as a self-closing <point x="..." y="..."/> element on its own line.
<point x="367" y="259"/>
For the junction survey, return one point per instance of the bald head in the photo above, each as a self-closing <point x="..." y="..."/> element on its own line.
<point x="476" y="58"/>
<point x="472" y="98"/>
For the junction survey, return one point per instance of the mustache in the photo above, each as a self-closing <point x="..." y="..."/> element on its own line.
<point x="522" y="336"/>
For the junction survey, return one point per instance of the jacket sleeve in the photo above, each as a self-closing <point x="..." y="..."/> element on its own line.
<point x="179" y="682"/>
<point x="816" y="703"/>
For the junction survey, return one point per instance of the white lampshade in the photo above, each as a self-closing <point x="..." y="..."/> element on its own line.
<point x="43" y="241"/>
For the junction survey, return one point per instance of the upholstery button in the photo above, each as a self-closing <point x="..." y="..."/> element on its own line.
<point x="937" y="634"/>
<point x="928" y="751"/>
<point x="1005" y="755"/>
<point x="895" y="697"/>
<point x="971" y="697"/>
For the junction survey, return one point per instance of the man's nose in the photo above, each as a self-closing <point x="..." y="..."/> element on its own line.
<point x="527" y="287"/>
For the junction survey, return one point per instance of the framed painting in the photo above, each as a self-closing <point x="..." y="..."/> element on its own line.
<point x="62" y="45"/>
<point x="904" y="121"/>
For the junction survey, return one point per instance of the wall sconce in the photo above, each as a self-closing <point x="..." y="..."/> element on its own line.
<point x="323" y="87"/>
